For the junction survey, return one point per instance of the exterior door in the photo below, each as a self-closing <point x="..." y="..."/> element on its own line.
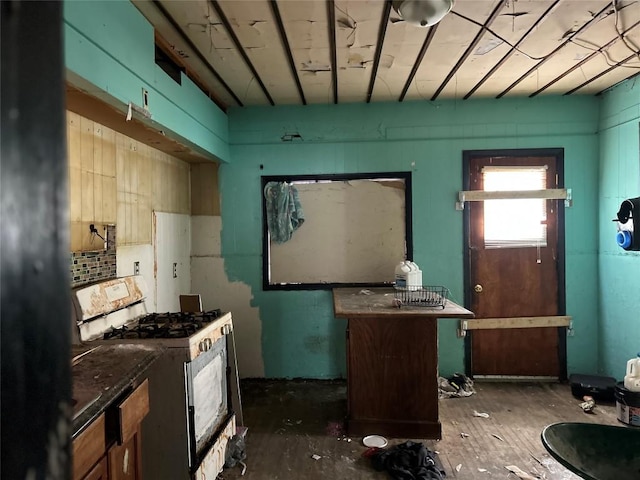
<point x="515" y="266"/>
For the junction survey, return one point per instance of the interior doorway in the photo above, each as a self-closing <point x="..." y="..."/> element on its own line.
<point x="514" y="265"/>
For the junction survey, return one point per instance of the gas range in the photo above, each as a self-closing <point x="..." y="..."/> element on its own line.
<point x="164" y="325"/>
<point x="191" y="419"/>
<point x="115" y="310"/>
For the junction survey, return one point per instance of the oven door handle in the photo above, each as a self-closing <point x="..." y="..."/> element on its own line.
<point x="191" y="437"/>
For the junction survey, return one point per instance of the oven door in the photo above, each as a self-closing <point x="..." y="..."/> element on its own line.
<point x="206" y="384"/>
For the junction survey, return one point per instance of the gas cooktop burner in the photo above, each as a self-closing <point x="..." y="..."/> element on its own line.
<point x="164" y="325"/>
<point x="181" y="317"/>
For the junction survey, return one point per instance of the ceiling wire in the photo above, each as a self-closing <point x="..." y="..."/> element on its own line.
<point x="496" y="35"/>
<point x="626" y="41"/>
<point x="605" y="54"/>
<point x="385" y="83"/>
<point x="629" y="44"/>
<point x="246" y="92"/>
<point x="353" y="21"/>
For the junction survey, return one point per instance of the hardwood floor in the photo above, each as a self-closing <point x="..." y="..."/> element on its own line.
<point x="290" y="421"/>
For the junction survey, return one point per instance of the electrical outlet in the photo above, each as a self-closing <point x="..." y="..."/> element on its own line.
<point x="145" y="99"/>
<point x="136" y="268"/>
<point x="175" y="270"/>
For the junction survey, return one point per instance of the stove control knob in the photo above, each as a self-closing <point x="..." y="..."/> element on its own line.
<point x="204" y="345"/>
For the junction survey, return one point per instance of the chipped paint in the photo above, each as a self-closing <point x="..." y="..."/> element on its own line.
<point x="488" y="45"/>
<point x="311" y="67"/>
<point x="355" y="61"/>
<point x="345" y="23"/>
<point x="514" y="14"/>
<point x="357" y="23"/>
<point x="386" y="61"/>
<point x="108" y="296"/>
<point x="125" y="462"/>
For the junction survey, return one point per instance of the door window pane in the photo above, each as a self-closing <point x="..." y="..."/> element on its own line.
<point x="515" y="223"/>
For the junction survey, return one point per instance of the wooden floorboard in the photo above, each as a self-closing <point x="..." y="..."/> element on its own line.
<point x="290" y="421"/>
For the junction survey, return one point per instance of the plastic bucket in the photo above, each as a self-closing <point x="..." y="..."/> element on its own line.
<point x="627" y="405"/>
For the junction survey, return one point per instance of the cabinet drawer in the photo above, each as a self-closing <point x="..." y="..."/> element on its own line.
<point x="131" y="412"/>
<point x="88" y="447"/>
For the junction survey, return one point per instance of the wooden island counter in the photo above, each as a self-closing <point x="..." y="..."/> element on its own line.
<point x="392" y="363"/>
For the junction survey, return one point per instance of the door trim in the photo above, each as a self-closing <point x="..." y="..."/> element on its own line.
<point x="558" y="153"/>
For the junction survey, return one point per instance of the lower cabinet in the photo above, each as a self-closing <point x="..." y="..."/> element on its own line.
<point x="110" y="447"/>
<point x="98" y="472"/>
<point x="125" y="460"/>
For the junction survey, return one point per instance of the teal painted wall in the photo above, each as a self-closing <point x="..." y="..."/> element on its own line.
<point x="110" y="45"/>
<point x="619" y="332"/>
<point x="300" y="336"/>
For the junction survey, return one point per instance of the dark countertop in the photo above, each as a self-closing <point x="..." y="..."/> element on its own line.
<point x="379" y="303"/>
<point x="104" y="374"/>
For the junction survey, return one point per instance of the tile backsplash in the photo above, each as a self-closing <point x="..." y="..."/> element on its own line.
<point x="89" y="267"/>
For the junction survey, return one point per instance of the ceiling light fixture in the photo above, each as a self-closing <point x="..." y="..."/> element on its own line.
<point x="422" y="13"/>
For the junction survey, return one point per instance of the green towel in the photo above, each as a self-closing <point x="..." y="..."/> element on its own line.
<point x="284" y="212"/>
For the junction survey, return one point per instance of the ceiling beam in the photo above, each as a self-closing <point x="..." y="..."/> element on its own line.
<point x="601" y="74"/>
<point x="287" y="48"/>
<point x="243" y="54"/>
<point x="474" y="43"/>
<point x="633" y="75"/>
<point x="376" y="59"/>
<point x="565" y="41"/>
<point x="195" y="50"/>
<point x="514" y="48"/>
<point x="600" y="51"/>
<point x="331" y="13"/>
<point x="427" y="41"/>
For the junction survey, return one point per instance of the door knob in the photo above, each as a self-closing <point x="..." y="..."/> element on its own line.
<point x="478" y="288"/>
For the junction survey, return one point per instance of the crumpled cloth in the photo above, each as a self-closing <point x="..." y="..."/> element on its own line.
<point x="458" y="385"/>
<point x="409" y="461"/>
<point x="284" y="212"/>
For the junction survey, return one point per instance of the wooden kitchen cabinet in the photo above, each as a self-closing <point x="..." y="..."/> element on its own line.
<point x="99" y="471"/>
<point x="110" y="447"/>
<point x="125" y="461"/>
<point x="392" y="363"/>
<point x="89" y="448"/>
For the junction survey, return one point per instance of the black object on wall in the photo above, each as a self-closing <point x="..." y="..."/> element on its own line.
<point x="628" y="236"/>
<point x="34" y="247"/>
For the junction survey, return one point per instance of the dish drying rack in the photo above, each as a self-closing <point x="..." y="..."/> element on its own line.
<point x="424" y="296"/>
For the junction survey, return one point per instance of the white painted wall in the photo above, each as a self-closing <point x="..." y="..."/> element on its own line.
<point x="208" y="278"/>
<point x="125" y="258"/>
<point x="172" y="244"/>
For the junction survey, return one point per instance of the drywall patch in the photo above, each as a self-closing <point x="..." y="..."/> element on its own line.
<point x="208" y="278"/>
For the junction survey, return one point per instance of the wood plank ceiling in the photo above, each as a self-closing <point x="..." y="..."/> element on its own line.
<point x="283" y="52"/>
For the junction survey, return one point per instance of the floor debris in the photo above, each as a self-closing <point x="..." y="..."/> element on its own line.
<point x="588" y="405"/>
<point x="497" y="436"/>
<point x="480" y="414"/>
<point x="483" y="470"/>
<point x="458" y="467"/>
<point x="458" y="385"/>
<point x="464" y="435"/>
<point x="520" y="473"/>
<point x="316" y="457"/>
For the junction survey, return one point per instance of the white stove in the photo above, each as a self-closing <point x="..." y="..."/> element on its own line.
<point x="190" y="419"/>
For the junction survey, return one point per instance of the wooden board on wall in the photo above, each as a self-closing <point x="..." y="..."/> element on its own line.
<point x="114" y="179"/>
<point x="205" y="198"/>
